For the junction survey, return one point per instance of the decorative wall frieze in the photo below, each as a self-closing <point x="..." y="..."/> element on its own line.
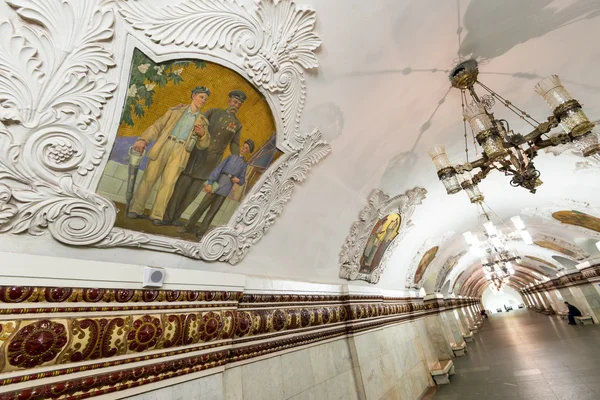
<point x="234" y="327"/>
<point x="379" y="205"/>
<point x="55" y="110"/>
<point x="577" y="278"/>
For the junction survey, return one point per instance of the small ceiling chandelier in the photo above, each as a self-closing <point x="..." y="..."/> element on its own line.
<point x="496" y="259"/>
<point x="503" y="150"/>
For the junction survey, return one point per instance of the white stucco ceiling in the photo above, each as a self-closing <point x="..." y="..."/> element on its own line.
<point x="382" y="98"/>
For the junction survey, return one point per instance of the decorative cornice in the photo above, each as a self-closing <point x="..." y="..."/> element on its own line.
<point x="255" y="324"/>
<point x="577" y="278"/>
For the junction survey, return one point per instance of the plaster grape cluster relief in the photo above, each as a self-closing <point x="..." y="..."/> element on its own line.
<point x="52" y="92"/>
<point x="274" y="43"/>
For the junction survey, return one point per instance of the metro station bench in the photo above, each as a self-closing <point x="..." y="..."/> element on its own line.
<point x="562" y="315"/>
<point x="468" y="337"/>
<point x="459" y="350"/>
<point x="584" y="320"/>
<point x="441" y="371"/>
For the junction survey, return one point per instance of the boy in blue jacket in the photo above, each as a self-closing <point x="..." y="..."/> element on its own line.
<point x="231" y="170"/>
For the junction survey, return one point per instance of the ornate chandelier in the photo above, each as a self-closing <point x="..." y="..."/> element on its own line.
<point x="496" y="260"/>
<point x="502" y="149"/>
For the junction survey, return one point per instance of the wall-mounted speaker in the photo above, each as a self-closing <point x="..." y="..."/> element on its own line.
<point x="153" y="277"/>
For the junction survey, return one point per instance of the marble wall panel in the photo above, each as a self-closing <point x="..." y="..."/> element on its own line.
<point x="205" y="388"/>
<point x="582" y="302"/>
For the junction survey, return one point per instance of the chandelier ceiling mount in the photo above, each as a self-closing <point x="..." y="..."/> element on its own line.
<point x="502" y="149"/>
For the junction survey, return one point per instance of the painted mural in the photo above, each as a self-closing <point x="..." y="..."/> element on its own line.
<point x="424" y="263"/>
<point x="543" y="262"/>
<point x="193" y="139"/>
<point x="382" y="234"/>
<point x="556" y="247"/>
<point x="578" y="218"/>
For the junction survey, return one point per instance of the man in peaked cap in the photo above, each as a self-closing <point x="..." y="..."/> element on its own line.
<point x="224" y="129"/>
<point x="176" y="135"/>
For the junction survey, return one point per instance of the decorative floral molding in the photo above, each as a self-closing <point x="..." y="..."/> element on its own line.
<point x="274" y="43"/>
<point x="379" y="205"/>
<point x="446" y="268"/>
<point x="66" y="342"/>
<point x="429" y="243"/>
<point x="53" y="88"/>
<point x="52" y="91"/>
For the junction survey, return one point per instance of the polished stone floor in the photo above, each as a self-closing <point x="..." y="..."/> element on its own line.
<point x="525" y="355"/>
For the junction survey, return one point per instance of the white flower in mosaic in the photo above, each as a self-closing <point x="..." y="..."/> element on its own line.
<point x="150" y="86"/>
<point x="159" y="69"/>
<point x="178" y="71"/>
<point x="143" y="68"/>
<point x="132" y="91"/>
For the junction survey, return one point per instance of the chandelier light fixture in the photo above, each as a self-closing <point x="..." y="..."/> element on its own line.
<point x="496" y="259"/>
<point x="502" y="149"/>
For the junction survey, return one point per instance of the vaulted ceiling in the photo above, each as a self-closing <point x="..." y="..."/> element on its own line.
<point x="382" y="98"/>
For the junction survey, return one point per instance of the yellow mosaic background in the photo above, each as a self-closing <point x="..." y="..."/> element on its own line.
<point x="255" y="114"/>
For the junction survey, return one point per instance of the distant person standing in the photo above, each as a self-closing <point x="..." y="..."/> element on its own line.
<point x="573" y="312"/>
<point x="483" y="313"/>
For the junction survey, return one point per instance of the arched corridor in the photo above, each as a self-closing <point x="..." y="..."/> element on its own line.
<point x="523" y="354"/>
<point x="299" y="199"/>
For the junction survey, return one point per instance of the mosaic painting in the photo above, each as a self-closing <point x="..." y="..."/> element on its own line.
<point x="543" y="262"/>
<point x="553" y="246"/>
<point x="424" y="263"/>
<point x="193" y="139"/>
<point x="383" y="233"/>
<point x="578" y="218"/>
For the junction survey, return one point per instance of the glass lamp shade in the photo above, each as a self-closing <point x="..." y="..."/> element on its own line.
<point x="485" y="130"/>
<point x="439" y="157"/>
<point x="526" y="237"/>
<point x="468" y="237"/>
<point x="587" y="144"/>
<point x="518" y="222"/>
<point x="475" y="195"/>
<point x="466" y="182"/>
<point x="496" y="242"/>
<point x="478" y="118"/>
<point x="572" y="118"/>
<point x="451" y="184"/>
<point x="490" y="228"/>
<point x="446" y="171"/>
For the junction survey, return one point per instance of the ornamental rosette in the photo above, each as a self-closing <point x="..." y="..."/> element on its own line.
<point x="37" y="344"/>
<point x="144" y="334"/>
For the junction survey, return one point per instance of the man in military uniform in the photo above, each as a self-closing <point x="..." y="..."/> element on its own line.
<point x="224" y="129"/>
<point x="182" y="130"/>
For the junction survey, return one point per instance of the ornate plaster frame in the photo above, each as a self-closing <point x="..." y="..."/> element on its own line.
<point x="429" y="243"/>
<point x="581" y="254"/>
<point x="443" y="273"/>
<point x="379" y="205"/>
<point x="545" y="214"/>
<point x="55" y="82"/>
